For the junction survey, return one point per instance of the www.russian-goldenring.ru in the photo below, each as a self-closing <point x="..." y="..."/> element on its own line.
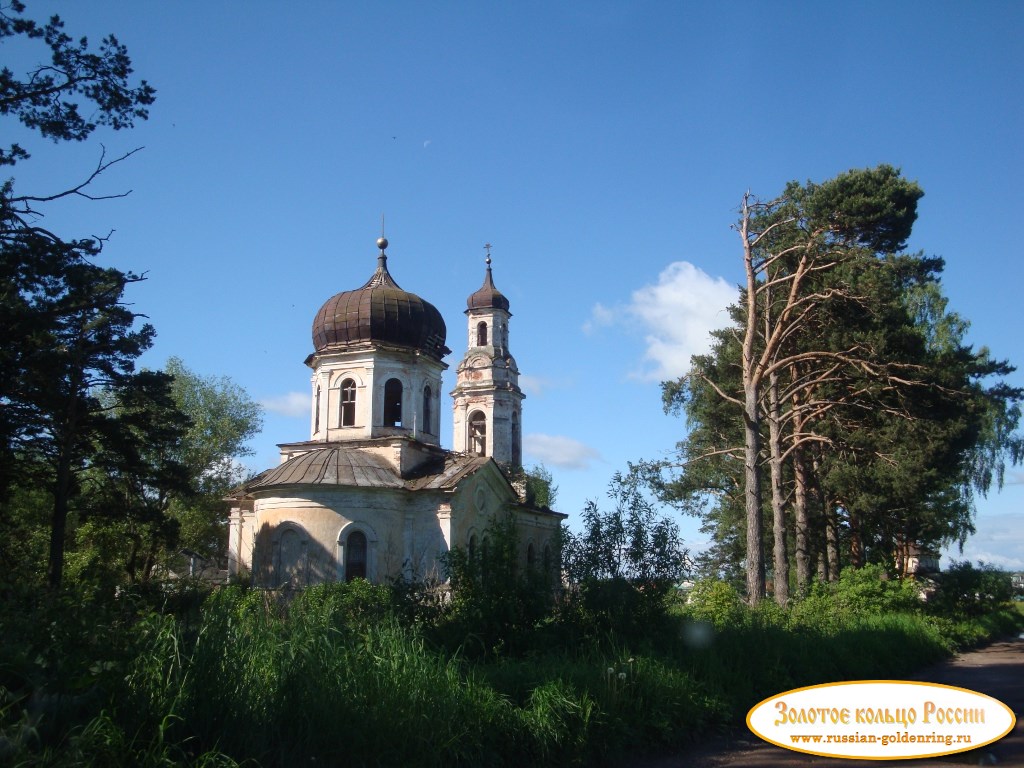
<point x="947" y="739"/>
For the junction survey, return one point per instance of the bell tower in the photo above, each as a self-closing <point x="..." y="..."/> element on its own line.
<point x="488" y="401"/>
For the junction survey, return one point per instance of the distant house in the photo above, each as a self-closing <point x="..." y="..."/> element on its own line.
<point x="1017" y="579"/>
<point x="917" y="560"/>
<point x="372" y="494"/>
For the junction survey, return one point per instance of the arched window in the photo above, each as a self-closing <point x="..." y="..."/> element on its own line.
<point x="348" y="403"/>
<point x="481" y="334"/>
<point x="316" y="411"/>
<point x="355" y="556"/>
<point x="393" y="403"/>
<point x="472" y="548"/>
<point x="428" y="395"/>
<point x="478" y="434"/>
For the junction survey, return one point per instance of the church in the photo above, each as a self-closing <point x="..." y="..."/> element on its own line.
<point x="372" y="494"/>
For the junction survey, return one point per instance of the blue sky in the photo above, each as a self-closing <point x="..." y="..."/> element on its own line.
<point x="602" y="148"/>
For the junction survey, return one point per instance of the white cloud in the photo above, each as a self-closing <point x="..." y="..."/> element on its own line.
<point x="290" y="404"/>
<point x="538" y="386"/>
<point x="676" y="315"/>
<point x="600" y="316"/>
<point x="559" y="451"/>
<point x="999" y="541"/>
<point x="998" y="559"/>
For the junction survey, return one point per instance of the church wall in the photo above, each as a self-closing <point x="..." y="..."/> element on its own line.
<point x="370" y="369"/>
<point x="300" y="538"/>
<point x="241" y="539"/>
<point x="405" y="533"/>
<point x="486" y="498"/>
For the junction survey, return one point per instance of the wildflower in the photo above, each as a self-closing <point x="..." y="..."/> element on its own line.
<point x="611" y="671"/>
<point x="622" y="675"/>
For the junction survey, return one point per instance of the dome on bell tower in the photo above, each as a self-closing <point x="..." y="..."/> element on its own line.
<point x="488" y="297"/>
<point x="380" y="311"/>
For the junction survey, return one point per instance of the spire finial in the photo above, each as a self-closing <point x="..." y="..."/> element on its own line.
<point x="382" y="242"/>
<point x="487" y="247"/>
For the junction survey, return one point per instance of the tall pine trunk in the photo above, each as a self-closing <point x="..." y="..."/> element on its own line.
<point x="752" y="499"/>
<point x="856" y="541"/>
<point x="59" y="522"/>
<point x="752" y="425"/>
<point x="802" y="525"/>
<point x="780" y="555"/>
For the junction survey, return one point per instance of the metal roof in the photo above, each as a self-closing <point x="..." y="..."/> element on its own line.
<point x="380" y="311"/>
<point x="354" y="467"/>
<point x="487" y="297"/>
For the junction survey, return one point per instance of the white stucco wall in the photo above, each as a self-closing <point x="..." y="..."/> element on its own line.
<point x="370" y="368"/>
<point x="407" y="532"/>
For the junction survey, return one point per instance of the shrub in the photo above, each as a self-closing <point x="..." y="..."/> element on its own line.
<point x="357" y="604"/>
<point x="716" y="602"/>
<point x="858" y="592"/>
<point x="623" y="564"/>
<point x="493" y="599"/>
<point x="968" y="591"/>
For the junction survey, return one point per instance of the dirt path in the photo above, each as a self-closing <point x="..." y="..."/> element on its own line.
<point x="996" y="669"/>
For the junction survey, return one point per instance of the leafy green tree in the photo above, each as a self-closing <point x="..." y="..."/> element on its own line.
<point x="131" y="477"/>
<point x="24" y="536"/>
<point x="156" y="481"/>
<point x="844" y="374"/>
<point x="48" y="98"/>
<point x="966" y="591"/>
<point x="625" y="561"/>
<point x="92" y="345"/>
<point x="905" y="464"/>
<point x="223" y="419"/>
<point x="65" y="332"/>
<point x="788" y="244"/>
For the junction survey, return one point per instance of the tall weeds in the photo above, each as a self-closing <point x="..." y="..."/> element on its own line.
<point x="345" y="675"/>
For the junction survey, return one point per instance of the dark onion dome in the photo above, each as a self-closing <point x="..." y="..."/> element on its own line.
<point x="382" y="312"/>
<point x="488" y="297"/>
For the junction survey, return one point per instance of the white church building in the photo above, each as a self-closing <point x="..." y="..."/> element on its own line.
<point x="372" y="494"/>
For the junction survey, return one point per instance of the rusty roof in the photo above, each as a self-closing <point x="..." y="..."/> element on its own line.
<point x="487" y="297"/>
<point x="380" y="311"/>
<point x="352" y="467"/>
<point x="448" y="475"/>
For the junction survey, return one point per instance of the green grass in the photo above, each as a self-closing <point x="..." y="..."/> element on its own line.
<point x="344" y="676"/>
